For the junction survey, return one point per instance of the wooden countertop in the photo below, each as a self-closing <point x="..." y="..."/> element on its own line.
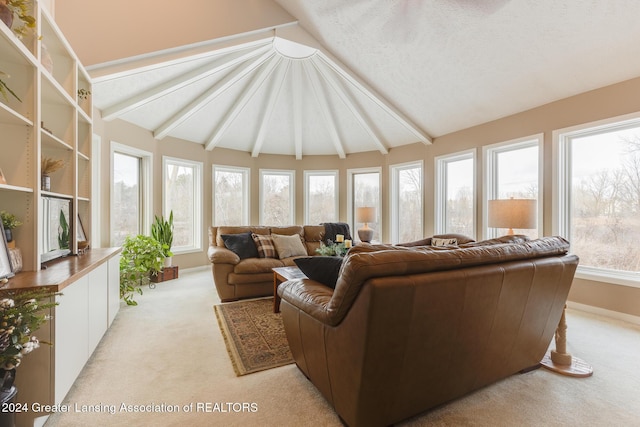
<point x="63" y="271"/>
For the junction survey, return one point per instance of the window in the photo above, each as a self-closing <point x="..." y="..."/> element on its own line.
<point x="130" y="192"/>
<point x="513" y="171"/>
<point x="277" y="197"/>
<point x="455" y="190"/>
<point x="182" y="195"/>
<point x="321" y="197"/>
<point x="230" y="195"/>
<point x="364" y="191"/>
<point x="598" y="203"/>
<point x="406" y="202"/>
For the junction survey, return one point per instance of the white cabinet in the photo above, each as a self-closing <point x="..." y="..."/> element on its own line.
<point x="98" y="305"/>
<point x="114" y="287"/>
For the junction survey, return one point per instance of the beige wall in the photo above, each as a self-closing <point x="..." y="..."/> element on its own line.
<point x="599" y="104"/>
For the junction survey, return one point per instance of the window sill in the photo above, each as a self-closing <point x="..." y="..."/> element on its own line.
<point x="630" y="279"/>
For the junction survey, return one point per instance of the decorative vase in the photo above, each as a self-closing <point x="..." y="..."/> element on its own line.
<point x="168" y="261"/>
<point x="7" y="395"/>
<point x="6" y="15"/>
<point x="45" y="183"/>
<point x="8" y="234"/>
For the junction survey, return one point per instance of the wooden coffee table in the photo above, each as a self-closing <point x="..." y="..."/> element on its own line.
<point x="282" y="274"/>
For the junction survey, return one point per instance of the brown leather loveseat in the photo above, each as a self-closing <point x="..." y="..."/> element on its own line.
<point x="410" y="328"/>
<point x="237" y="278"/>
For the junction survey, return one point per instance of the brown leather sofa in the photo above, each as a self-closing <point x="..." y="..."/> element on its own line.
<point x="237" y="278"/>
<point x="410" y="328"/>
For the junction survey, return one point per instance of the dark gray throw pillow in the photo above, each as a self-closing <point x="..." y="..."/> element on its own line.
<point x="242" y="244"/>
<point x="323" y="269"/>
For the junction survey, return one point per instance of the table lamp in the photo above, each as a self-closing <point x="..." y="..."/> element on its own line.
<point x="365" y="215"/>
<point x="512" y="213"/>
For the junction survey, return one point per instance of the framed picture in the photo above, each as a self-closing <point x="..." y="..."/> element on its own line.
<point x="6" y="270"/>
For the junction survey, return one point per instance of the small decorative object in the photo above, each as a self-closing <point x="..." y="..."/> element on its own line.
<point x="83" y="93"/>
<point x="47" y="167"/>
<point x="9" y="222"/>
<point x="6" y="270"/>
<point x="19" y="9"/>
<point x="22" y="312"/>
<point x="365" y="215"/>
<point x="162" y="231"/>
<point x="15" y="257"/>
<point x="4" y="89"/>
<point x="2" y="178"/>
<point x="334" y="249"/>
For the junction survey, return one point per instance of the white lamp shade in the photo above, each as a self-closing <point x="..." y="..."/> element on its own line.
<point x="513" y="213"/>
<point x="366" y="214"/>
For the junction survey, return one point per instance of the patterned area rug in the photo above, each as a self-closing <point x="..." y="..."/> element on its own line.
<point x="254" y="335"/>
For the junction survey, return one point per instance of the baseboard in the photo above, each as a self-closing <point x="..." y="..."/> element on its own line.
<point x="604" y="312"/>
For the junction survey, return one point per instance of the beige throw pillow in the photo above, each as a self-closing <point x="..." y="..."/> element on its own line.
<point x="288" y="246"/>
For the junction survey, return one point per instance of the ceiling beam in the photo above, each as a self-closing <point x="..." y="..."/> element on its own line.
<point x="278" y="81"/>
<point x="231" y="78"/>
<point x="250" y="90"/>
<point x="162" y="89"/>
<point x="296" y="81"/>
<point x="351" y="104"/>
<point x="376" y="98"/>
<point x="320" y="95"/>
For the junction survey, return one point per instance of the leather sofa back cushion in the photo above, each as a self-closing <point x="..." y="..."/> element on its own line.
<point x="242" y="244"/>
<point x="288" y="246"/>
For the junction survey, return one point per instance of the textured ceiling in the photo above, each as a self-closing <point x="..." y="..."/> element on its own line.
<point x="374" y="74"/>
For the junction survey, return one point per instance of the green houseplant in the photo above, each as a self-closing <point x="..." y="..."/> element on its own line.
<point x="141" y="257"/>
<point x="9" y="221"/>
<point x="162" y="231"/>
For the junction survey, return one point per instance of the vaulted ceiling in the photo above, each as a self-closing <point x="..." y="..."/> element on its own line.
<point x="301" y="77"/>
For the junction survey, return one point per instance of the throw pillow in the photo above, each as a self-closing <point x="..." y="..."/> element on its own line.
<point x="323" y="269"/>
<point x="264" y="243"/>
<point x="288" y="246"/>
<point x="242" y="244"/>
<point x="444" y="242"/>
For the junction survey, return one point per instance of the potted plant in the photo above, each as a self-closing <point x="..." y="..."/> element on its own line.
<point x="22" y="313"/>
<point x="142" y="256"/>
<point x="19" y="9"/>
<point x="162" y="231"/>
<point x="9" y="221"/>
<point x="47" y="167"/>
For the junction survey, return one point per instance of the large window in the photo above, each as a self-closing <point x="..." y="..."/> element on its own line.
<point x="513" y="171"/>
<point x="183" y="196"/>
<point x="321" y="197"/>
<point x="277" y="197"/>
<point x="455" y="194"/>
<point x="598" y="204"/>
<point x="230" y="195"/>
<point x="364" y="191"/>
<point x="130" y="192"/>
<point x="406" y="202"/>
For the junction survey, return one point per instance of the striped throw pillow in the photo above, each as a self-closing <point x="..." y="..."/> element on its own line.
<point x="264" y="243"/>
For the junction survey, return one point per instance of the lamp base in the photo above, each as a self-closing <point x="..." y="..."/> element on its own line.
<point x="365" y="234"/>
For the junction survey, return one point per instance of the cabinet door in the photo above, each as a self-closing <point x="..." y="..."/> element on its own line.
<point x="98" y="312"/>
<point x="71" y="341"/>
<point x="114" y="287"/>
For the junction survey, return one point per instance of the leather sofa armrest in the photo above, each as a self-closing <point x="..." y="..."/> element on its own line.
<point x="309" y="296"/>
<point x="218" y="255"/>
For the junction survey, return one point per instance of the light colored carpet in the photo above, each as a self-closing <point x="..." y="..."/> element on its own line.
<point x="254" y="335"/>
<point x="169" y="350"/>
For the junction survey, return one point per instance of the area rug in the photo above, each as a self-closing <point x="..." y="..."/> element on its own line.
<point x="254" y="335"/>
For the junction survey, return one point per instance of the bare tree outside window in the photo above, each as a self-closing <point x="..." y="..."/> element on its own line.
<point x="126" y="198"/>
<point x="230" y="196"/>
<point x="459" y="198"/>
<point x="182" y="197"/>
<point x="605" y="199"/>
<point x="277" y="198"/>
<point x="407" y="200"/>
<point x="321" y="198"/>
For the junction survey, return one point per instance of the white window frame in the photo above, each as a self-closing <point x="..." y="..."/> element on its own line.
<point x="292" y="192"/>
<point x="350" y="210"/>
<point x="441" y="183"/>
<point x="246" y="193"/>
<point x="394" y="205"/>
<point x="197" y="202"/>
<point x="307" y="177"/>
<point x="146" y="184"/>
<point x="561" y="196"/>
<point x="490" y="183"/>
